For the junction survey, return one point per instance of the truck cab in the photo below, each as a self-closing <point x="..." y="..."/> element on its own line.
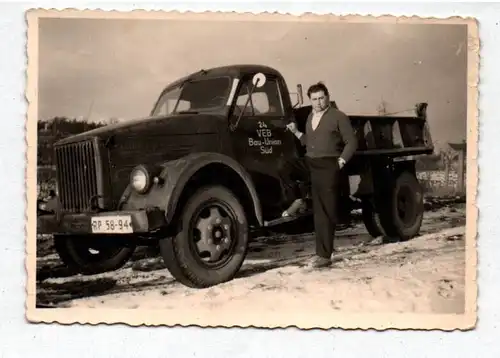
<point x="254" y="106"/>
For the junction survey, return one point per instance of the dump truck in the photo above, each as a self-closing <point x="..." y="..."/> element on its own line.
<point x="202" y="175"/>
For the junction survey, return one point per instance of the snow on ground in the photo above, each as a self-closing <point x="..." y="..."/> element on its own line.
<point x="423" y="275"/>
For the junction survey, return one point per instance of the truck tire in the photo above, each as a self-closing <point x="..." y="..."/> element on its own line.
<point x="211" y="241"/>
<point x="402" y="210"/>
<point x="371" y="218"/>
<point x="76" y="253"/>
<point x="167" y="251"/>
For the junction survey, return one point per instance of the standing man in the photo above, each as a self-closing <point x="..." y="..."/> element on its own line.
<point x="330" y="143"/>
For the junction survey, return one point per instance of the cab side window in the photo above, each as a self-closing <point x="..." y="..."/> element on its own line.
<point x="265" y="101"/>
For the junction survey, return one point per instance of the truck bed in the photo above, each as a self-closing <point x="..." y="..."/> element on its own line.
<point x="391" y="136"/>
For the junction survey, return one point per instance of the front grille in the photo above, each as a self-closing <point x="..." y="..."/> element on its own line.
<point x="77" y="175"/>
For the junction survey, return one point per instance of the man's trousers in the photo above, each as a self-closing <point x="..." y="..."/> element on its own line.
<point x="324" y="174"/>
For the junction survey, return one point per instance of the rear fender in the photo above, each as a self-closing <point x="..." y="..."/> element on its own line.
<point x="188" y="173"/>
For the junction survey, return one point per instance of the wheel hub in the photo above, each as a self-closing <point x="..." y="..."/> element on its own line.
<point x="405" y="201"/>
<point x="214" y="237"/>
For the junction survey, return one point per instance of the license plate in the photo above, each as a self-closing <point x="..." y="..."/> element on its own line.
<point x="112" y="225"/>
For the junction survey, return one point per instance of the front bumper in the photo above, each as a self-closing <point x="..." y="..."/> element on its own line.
<point x="143" y="221"/>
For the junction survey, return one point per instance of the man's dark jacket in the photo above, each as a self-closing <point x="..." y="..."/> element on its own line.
<point x="333" y="137"/>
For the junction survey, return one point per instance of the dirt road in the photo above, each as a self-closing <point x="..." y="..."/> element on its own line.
<point x="424" y="275"/>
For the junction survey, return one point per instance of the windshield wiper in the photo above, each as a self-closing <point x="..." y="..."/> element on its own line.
<point x="188" y="112"/>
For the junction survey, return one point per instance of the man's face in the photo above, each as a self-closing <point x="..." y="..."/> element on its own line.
<point x="319" y="101"/>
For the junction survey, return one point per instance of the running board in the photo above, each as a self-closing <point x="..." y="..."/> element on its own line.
<point x="286" y="219"/>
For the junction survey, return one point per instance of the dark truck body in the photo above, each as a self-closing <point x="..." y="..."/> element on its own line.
<point x="211" y="145"/>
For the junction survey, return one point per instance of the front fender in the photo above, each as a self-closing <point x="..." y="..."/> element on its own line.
<point x="175" y="175"/>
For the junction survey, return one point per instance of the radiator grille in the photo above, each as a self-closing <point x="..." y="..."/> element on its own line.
<point x="77" y="175"/>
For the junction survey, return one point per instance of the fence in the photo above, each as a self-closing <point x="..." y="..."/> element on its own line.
<point x="436" y="182"/>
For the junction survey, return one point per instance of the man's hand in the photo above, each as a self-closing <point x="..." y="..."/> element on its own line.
<point x="341" y="163"/>
<point x="292" y="127"/>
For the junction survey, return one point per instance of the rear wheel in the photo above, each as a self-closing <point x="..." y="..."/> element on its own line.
<point x="212" y="239"/>
<point x="91" y="255"/>
<point x="402" y="210"/>
<point x="371" y="218"/>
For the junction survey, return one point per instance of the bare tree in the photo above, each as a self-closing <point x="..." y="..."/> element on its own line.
<point x="447" y="157"/>
<point x="382" y="108"/>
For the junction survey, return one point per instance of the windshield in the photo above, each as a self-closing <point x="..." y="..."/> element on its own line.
<point x="194" y="96"/>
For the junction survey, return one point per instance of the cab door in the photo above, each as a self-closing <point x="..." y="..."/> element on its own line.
<point x="261" y="142"/>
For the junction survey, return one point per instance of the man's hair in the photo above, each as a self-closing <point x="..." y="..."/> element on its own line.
<point x="317" y="87"/>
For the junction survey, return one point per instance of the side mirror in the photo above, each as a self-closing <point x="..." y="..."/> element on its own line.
<point x="259" y="80"/>
<point x="300" y="95"/>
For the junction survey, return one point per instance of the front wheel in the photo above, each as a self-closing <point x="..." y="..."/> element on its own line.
<point x="212" y="239"/>
<point x="92" y="254"/>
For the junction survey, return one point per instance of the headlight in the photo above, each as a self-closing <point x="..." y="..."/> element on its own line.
<point x="140" y="179"/>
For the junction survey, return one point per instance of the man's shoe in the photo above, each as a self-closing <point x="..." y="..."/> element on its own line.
<point x="343" y="226"/>
<point x="298" y="206"/>
<point x="321" y="262"/>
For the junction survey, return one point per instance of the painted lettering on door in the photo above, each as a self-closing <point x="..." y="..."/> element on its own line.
<point x="264" y="139"/>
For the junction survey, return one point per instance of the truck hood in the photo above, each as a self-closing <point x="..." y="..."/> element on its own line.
<point x="177" y="124"/>
<point x="152" y="140"/>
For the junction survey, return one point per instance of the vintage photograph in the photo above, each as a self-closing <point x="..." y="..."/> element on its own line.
<point x="251" y="170"/>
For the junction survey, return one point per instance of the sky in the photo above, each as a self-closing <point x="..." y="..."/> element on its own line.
<point x="101" y="69"/>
